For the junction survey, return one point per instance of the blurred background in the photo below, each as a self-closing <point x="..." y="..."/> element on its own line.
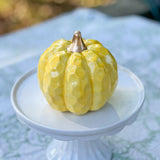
<point x="17" y="14"/>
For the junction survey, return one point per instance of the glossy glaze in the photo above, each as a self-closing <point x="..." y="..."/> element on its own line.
<point x="79" y="81"/>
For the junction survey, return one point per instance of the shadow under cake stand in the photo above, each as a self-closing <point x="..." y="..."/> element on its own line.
<point x="78" y="137"/>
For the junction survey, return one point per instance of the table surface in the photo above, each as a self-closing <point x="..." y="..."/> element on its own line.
<point x="135" y="43"/>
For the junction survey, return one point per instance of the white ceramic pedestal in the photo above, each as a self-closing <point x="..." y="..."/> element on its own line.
<point x="79" y="150"/>
<point x="78" y="137"/>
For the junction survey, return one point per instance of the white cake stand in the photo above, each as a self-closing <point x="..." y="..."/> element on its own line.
<point x="78" y="137"/>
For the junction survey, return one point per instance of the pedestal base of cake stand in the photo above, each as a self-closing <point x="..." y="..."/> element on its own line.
<point x="78" y="137"/>
<point x="79" y="150"/>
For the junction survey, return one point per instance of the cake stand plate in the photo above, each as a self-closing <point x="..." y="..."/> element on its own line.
<point x="78" y="137"/>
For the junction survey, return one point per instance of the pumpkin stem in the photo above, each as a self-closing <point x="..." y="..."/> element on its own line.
<point x="77" y="44"/>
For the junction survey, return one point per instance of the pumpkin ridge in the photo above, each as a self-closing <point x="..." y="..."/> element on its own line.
<point x="112" y="66"/>
<point x="97" y="65"/>
<point x="53" y="80"/>
<point x="41" y="67"/>
<point x="47" y="54"/>
<point x="77" y="86"/>
<point x="105" y="67"/>
<point x="89" y="42"/>
<point x="64" y="79"/>
<point x="89" y="77"/>
<point x="51" y="55"/>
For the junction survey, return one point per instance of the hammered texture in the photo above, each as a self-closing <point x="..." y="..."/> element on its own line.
<point x="59" y="45"/>
<point x="90" y="42"/>
<point x="99" y="79"/>
<point x="53" y="80"/>
<point x="109" y="62"/>
<point x="78" y="93"/>
<point x="77" y="82"/>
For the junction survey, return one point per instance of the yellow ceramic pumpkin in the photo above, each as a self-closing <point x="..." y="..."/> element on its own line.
<point x="78" y="75"/>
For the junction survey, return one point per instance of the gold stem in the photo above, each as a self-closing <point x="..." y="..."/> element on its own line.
<point x="77" y="44"/>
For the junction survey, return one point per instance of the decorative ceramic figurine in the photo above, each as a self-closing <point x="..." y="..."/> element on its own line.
<point x="78" y="75"/>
